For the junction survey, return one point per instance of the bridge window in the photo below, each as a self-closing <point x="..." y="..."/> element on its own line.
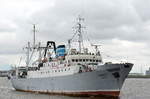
<point x="73" y="60"/>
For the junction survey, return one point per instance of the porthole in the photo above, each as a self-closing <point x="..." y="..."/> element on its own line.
<point x="73" y="60"/>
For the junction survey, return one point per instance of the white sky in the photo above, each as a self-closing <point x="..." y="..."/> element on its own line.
<point x="121" y="26"/>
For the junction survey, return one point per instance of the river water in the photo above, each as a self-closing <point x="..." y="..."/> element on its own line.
<point x="132" y="89"/>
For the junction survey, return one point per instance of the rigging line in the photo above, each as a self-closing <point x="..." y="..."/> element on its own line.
<point x="20" y="61"/>
<point x="88" y="39"/>
<point x="82" y="40"/>
<point x="74" y="35"/>
<point x="42" y="54"/>
<point x="31" y="55"/>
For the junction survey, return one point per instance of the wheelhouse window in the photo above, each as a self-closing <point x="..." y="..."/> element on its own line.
<point x="73" y="60"/>
<point x="93" y="60"/>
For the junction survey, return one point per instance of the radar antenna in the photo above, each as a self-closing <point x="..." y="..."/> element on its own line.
<point x="96" y="48"/>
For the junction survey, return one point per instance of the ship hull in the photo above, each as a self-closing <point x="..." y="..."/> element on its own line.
<point x="88" y="93"/>
<point x="107" y="80"/>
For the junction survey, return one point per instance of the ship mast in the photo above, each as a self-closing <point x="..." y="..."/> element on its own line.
<point x="34" y="36"/>
<point x="79" y="30"/>
<point x="28" y="48"/>
<point x="28" y="53"/>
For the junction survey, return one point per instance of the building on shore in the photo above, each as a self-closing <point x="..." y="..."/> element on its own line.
<point x="135" y="74"/>
<point x="147" y="72"/>
<point x="4" y="73"/>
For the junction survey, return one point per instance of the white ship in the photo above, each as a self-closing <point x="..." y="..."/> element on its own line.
<point x="70" y="71"/>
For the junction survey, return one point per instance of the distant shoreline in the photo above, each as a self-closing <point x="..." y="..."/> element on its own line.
<point x="139" y="76"/>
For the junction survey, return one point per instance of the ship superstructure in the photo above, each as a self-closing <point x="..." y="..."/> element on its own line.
<point x="72" y="71"/>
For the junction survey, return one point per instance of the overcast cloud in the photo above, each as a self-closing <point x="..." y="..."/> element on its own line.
<point x="121" y="26"/>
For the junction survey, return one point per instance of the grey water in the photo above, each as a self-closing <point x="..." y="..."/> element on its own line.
<point x="132" y="89"/>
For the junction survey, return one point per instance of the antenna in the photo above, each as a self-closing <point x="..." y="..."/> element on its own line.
<point x="34" y="35"/>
